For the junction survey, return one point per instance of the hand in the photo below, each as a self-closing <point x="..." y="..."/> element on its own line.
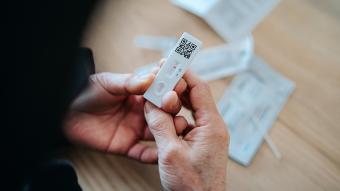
<point x="109" y="115"/>
<point x="197" y="160"/>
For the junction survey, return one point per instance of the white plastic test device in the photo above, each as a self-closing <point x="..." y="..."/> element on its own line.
<point x="174" y="68"/>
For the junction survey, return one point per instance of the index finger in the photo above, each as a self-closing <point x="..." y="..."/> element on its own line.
<point x="199" y="93"/>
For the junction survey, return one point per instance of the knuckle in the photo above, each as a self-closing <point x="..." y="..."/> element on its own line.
<point x="204" y="85"/>
<point x="156" y="121"/>
<point x="94" y="78"/>
<point x="221" y="133"/>
<point x="100" y="78"/>
<point x="224" y="134"/>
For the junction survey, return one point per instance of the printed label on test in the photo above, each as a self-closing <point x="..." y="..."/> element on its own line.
<point x="173" y="69"/>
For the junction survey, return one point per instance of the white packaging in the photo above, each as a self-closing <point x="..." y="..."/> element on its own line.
<point x="251" y="105"/>
<point x="211" y="63"/>
<point x="231" y="19"/>
<point x="222" y="61"/>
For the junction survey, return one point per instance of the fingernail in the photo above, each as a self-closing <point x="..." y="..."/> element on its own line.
<point x="155" y="70"/>
<point x="145" y="77"/>
<point x="162" y="61"/>
<point x="138" y="80"/>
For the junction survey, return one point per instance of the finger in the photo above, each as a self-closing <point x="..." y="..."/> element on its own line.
<point x="199" y="93"/>
<point x="139" y="84"/>
<point x="171" y="102"/>
<point x="161" y="62"/>
<point x="161" y="125"/>
<point x="185" y="99"/>
<point x="155" y="70"/>
<point x="188" y="129"/>
<point x="144" y="153"/>
<point x="148" y="135"/>
<point x="181" y="87"/>
<point x="180" y="124"/>
<point x="123" y="84"/>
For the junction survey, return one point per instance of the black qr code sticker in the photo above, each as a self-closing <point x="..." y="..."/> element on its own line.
<point x="186" y="48"/>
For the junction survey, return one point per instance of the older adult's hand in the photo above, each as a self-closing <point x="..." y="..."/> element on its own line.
<point x="197" y="160"/>
<point x="109" y="115"/>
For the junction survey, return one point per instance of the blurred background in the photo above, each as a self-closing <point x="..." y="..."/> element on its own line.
<point x="298" y="38"/>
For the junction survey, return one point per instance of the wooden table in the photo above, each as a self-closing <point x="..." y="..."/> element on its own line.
<point x="300" y="39"/>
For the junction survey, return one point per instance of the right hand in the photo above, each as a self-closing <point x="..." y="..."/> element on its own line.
<point x="197" y="160"/>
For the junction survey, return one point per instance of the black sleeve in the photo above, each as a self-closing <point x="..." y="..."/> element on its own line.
<point x="42" y="70"/>
<point x="84" y="67"/>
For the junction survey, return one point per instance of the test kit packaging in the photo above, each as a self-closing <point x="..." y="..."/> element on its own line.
<point x="251" y="105"/>
<point x="174" y="68"/>
<point x="224" y="60"/>
<point x="231" y="19"/>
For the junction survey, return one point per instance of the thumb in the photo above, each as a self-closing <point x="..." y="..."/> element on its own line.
<point x="161" y="125"/>
<point x="123" y="84"/>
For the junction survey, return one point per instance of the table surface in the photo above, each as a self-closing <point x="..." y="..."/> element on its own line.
<point x="299" y="38"/>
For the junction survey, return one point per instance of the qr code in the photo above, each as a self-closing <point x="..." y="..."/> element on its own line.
<point x="186" y="48"/>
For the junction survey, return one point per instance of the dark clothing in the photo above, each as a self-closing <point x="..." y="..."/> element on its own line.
<point x="55" y="175"/>
<point x="43" y="71"/>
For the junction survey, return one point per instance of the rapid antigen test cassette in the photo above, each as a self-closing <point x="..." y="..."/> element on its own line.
<point x="174" y="68"/>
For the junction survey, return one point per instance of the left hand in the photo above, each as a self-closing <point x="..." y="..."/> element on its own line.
<point x="109" y="115"/>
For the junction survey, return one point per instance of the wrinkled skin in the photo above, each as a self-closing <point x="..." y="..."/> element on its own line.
<point x="109" y="115"/>
<point x="112" y="116"/>
<point x="197" y="160"/>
